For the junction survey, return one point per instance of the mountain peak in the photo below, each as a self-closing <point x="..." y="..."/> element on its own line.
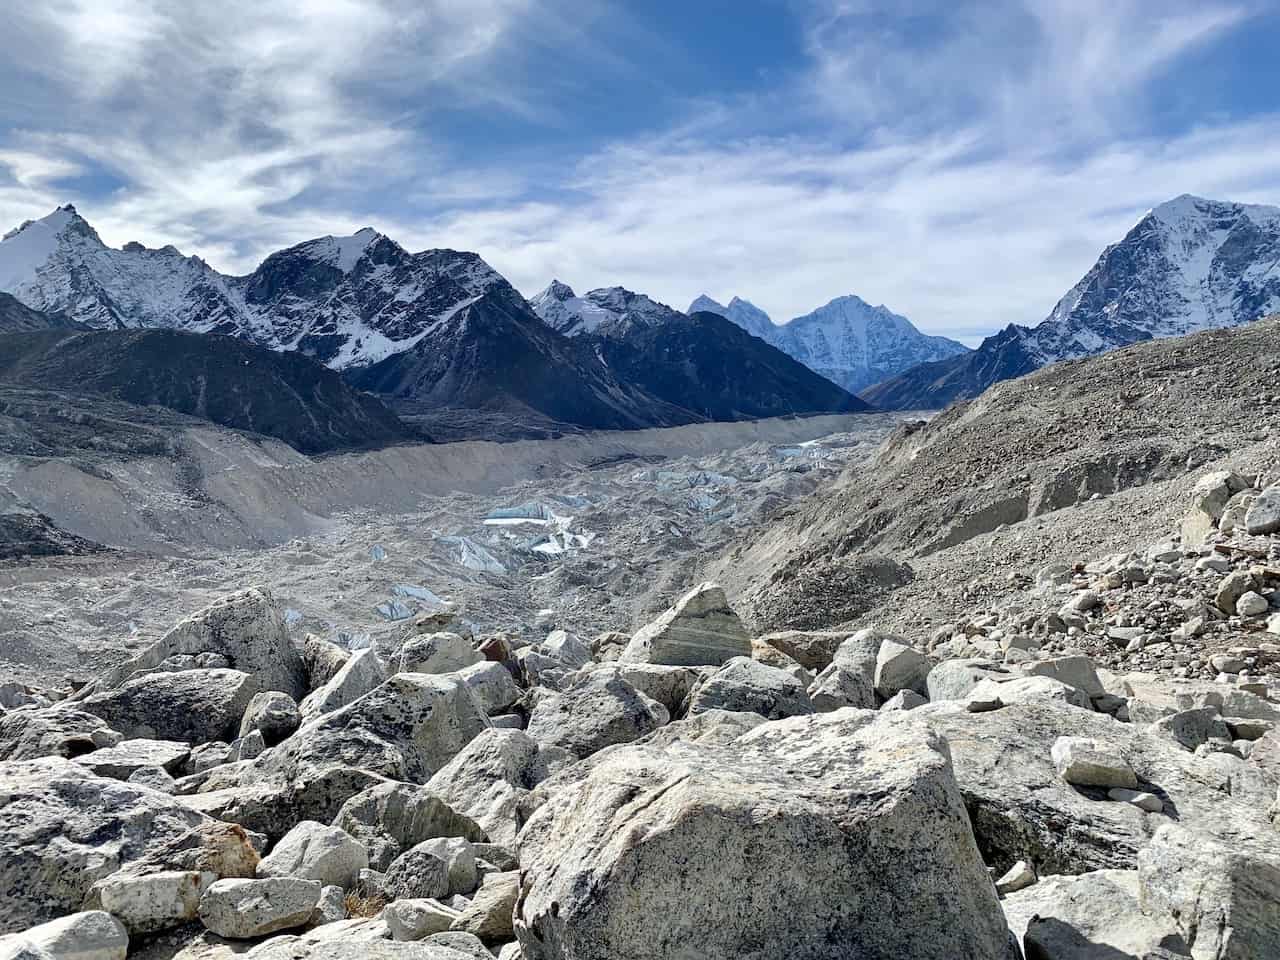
<point x="703" y="303"/>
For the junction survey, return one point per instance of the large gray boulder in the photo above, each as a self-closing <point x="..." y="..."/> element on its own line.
<point x="488" y="915"/>
<point x="900" y="667"/>
<point x="57" y="731"/>
<point x="245" y="628"/>
<point x="244" y="909"/>
<point x="492" y="685"/>
<point x="193" y="706"/>
<point x="126" y="758"/>
<point x="489" y="778"/>
<point x="1264" y="513"/>
<point x="1023" y="809"/>
<point x="828" y="836"/>
<point x="362" y="673"/>
<point x="62" y="828"/>
<point x="812" y="649"/>
<point x="955" y="679"/>
<point x="436" y="653"/>
<point x="1091" y="916"/>
<point x="593" y="712"/>
<point x="668" y="685"/>
<point x="314" y="851"/>
<point x="745" y="685"/>
<point x="272" y="713"/>
<point x="90" y="935"/>
<point x="390" y="818"/>
<point x="849" y="680"/>
<point x="1222" y="895"/>
<point x="701" y="628"/>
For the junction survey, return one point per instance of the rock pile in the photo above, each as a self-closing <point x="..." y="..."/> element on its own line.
<point x="1092" y="770"/>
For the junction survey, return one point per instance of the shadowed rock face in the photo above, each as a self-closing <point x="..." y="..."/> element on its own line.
<point x="225" y="381"/>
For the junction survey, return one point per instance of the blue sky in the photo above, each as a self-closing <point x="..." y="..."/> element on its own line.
<point x="962" y="163"/>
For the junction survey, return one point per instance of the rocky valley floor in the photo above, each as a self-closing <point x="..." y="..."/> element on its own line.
<point x="1005" y="684"/>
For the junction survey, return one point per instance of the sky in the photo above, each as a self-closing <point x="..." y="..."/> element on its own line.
<point x="963" y="163"/>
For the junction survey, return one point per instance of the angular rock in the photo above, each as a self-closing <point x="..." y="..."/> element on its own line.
<point x="321" y="659"/>
<point x="152" y="902"/>
<point x="668" y="685"/>
<point x="642" y="853"/>
<point x="207" y="756"/>
<point x="57" y="731"/>
<point x="1074" y="671"/>
<point x="745" y="685"/>
<point x="390" y="818"/>
<point x="488" y="916"/>
<point x="124" y="759"/>
<point x="992" y="695"/>
<point x="1264" y="514"/>
<point x="1018" y="877"/>
<point x="492" y="685"/>
<point x="359" y="675"/>
<point x="153" y="778"/>
<point x="904" y="700"/>
<point x="418" y="873"/>
<point x="812" y="649"/>
<point x="569" y="648"/>
<point x="416" y="919"/>
<point x="460" y="862"/>
<point x="595" y="711"/>
<point x="245" y="628"/>
<point x="90" y="935"/>
<point x="900" y="667"/>
<point x="1232" y="588"/>
<point x="313" y="851"/>
<point x="1092" y="916"/>
<point x="273" y="714"/>
<point x="955" y="679"/>
<point x="699" y="629"/>
<point x="61" y="829"/>
<point x="1083" y="763"/>
<point x="849" y="680"/>
<point x="1223" y="897"/>
<point x="489" y="778"/>
<point x="332" y="906"/>
<point x="1192" y="728"/>
<point x="436" y="653"/>
<point x="243" y="909"/>
<point x="193" y="706"/>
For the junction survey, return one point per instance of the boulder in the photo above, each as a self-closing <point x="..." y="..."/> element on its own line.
<point x="1022" y="809"/>
<point x="593" y="712"/>
<point x="668" y="685"/>
<point x="436" y="653"/>
<point x="1232" y="587"/>
<point x="57" y="731"/>
<point x="360" y="674"/>
<point x="390" y="818"/>
<point x="642" y="851"/>
<point x="321" y="659"/>
<point x="993" y="694"/>
<point x="1074" y="671"/>
<point x="904" y="700"/>
<point x="420" y="872"/>
<point x="90" y="935"/>
<point x="207" y="756"/>
<point x="154" y="778"/>
<point x="1092" y="916"/>
<point x="1192" y="728"/>
<point x="313" y="851"/>
<point x="850" y="679"/>
<point x="1264" y="514"/>
<point x="745" y="685"/>
<point x="245" y="628"/>
<point x="62" y="828"/>
<point x="332" y="906"/>
<point x="126" y="758"/>
<point x="900" y="667"/>
<point x="488" y="915"/>
<point x="193" y="706"/>
<point x="489" y="778"/>
<point x="1151" y="697"/>
<point x="273" y="714"/>
<point x="812" y="649"/>
<point x="492" y="685"/>
<point x="1223" y="896"/>
<point x="460" y="862"/>
<point x="569" y="648"/>
<point x="356" y="938"/>
<point x="152" y="902"/>
<point x="1085" y="763"/>
<point x="244" y="909"/>
<point x="415" y="919"/>
<point x="955" y="679"/>
<point x="699" y="629"/>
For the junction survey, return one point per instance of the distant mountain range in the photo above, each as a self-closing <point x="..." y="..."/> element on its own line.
<point x="1188" y="265"/>
<point x="699" y="361"/>
<point x="439" y="329"/>
<point x="848" y="341"/>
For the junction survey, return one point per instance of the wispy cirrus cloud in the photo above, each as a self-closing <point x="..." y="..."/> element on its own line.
<point x="962" y="162"/>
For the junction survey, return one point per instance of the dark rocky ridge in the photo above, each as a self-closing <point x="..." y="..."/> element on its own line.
<point x="218" y="379"/>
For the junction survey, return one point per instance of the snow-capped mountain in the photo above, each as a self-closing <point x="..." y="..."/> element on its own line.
<point x="1188" y="265"/>
<point x="742" y="312"/>
<point x="608" y="311"/>
<point x="854" y="344"/>
<point x="701" y="361"/>
<point x="440" y="326"/>
<point x="847" y="341"/>
<point x="346" y="301"/>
